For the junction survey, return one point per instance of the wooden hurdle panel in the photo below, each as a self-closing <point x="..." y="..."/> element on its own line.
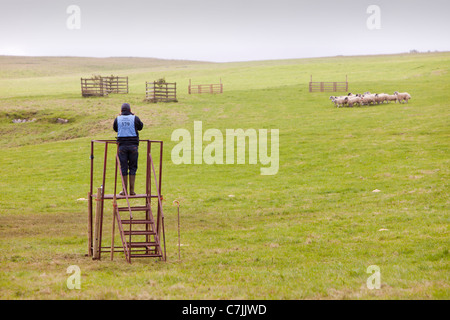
<point x="328" y="86"/>
<point x="205" y="88"/>
<point x="102" y="86"/>
<point x="161" y="92"/>
<point x="116" y="84"/>
<point x="93" y="87"/>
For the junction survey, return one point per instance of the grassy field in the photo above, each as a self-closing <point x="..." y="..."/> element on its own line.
<point x="308" y="232"/>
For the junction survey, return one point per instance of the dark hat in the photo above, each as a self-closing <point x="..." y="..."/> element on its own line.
<point x="126" y="107"/>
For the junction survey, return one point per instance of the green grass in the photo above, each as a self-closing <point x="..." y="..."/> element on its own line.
<point x="308" y="232"/>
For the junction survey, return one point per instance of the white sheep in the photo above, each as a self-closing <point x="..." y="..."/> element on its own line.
<point x="404" y="96"/>
<point x="367" y="99"/>
<point x="380" y="97"/>
<point x="353" y="100"/>
<point x="340" y="101"/>
<point x="391" y="97"/>
<point x="333" y="100"/>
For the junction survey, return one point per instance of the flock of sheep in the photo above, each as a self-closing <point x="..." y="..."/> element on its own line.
<point x="369" y="98"/>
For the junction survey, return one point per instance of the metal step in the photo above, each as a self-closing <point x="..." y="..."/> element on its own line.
<point x="144" y="244"/>
<point x="139" y="232"/>
<point x="145" y="255"/>
<point x="137" y="221"/>
<point x="137" y="196"/>
<point x="139" y="208"/>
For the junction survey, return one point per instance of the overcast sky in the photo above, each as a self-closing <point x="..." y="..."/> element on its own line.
<point x="222" y="30"/>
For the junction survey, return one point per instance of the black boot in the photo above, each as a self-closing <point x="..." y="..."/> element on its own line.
<point x="132" y="181"/>
<point x="125" y="180"/>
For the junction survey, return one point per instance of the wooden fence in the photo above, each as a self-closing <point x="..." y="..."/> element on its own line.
<point x="93" y="87"/>
<point x="116" y="84"/>
<point x="161" y="92"/>
<point x="205" y="88"/>
<point x="102" y="86"/>
<point x="328" y="86"/>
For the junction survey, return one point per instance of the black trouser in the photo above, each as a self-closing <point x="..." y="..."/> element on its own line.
<point x="128" y="156"/>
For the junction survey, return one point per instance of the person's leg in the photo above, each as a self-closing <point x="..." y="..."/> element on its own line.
<point x="133" y="165"/>
<point x="123" y="158"/>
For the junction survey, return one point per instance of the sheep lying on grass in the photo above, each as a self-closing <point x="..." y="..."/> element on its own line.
<point x="368" y="98"/>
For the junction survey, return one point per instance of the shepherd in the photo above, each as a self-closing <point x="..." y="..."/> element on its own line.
<point x="127" y="126"/>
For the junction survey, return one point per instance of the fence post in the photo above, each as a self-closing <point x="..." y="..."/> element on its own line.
<point x="98" y="228"/>
<point x="146" y="90"/>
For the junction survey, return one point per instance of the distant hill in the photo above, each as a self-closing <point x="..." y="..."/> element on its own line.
<point x="23" y="67"/>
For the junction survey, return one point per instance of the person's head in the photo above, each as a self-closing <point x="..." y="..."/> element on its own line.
<point x="125" y="108"/>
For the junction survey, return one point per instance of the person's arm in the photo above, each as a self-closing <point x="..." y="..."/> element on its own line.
<point x="115" y="125"/>
<point x="138" y="123"/>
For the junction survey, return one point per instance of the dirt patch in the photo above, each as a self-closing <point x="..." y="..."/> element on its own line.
<point x="101" y="126"/>
<point x="438" y="72"/>
<point x="429" y="171"/>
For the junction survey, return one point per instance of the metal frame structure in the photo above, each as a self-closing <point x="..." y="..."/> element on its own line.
<point x="130" y="248"/>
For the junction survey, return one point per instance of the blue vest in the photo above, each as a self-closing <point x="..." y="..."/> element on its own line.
<point x="125" y="126"/>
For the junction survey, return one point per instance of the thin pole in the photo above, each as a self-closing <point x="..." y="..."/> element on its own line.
<point x="113" y="227"/>
<point x="90" y="242"/>
<point x="114" y="210"/>
<point x="160" y="211"/>
<point x="102" y="203"/>
<point x="177" y="203"/>
<point x="97" y="235"/>
<point x="89" y="224"/>
<point x="158" y="187"/>
<point x="92" y="166"/>
<point x="160" y="166"/>
<point x="147" y="192"/>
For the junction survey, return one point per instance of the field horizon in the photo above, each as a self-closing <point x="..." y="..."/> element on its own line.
<point x="356" y="187"/>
